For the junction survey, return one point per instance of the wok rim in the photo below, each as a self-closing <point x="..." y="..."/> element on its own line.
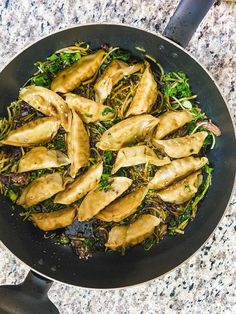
<point x="157" y="34"/>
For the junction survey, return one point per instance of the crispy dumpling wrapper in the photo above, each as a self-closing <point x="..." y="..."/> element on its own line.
<point x="81" y="186"/>
<point x="136" y="155"/>
<point x="33" y="133"/>
<point x="176" y="170"/>
<point x="47" y="102"/>
<point x="127" y="131"/>
<point x="82" y="70"/>
<point x="54" y="220"/>
<point x="115" y="72"/>
<point x="182" y="191"/>
<point x="41" y="158"/>
<point x="89" y="110"/>
<point x="77" y="145"/>
<point x="41" y="189"/>
<point x="123" y="207"/>
<point x="141" y="229"/>
<point x="182" y="146"/>
<point x="117" y="237"/>
<point x="171" y="121"/>
<point x="98" y="199"/>
<point x="145" y="96"/>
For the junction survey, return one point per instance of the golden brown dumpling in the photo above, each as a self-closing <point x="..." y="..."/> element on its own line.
<point x="82" y="70"/>
<point x="182" y="191"/>
<point x="81" y="186"/>
<point x="123" y="207"/>
<point x="89" y="110"/>
<point x="181" y="146"/>
<point x="170" y="121"/>
<point x="41" y="189"/>
<point x="115" y="72"/>
<point x="141" y="229"/>
<point x="77" y="145"/>
<point x="33" y="133"/>
<point x="41" y="158"/>
<point x="47" y="102"/>
<point x="176" y="170"/>
<point x="117" y="237"/>
<point x="145" y="96"/>
<point x="54" y="220"/>
<point x="127" y="131"/>
<point x="98" y="199"/>
<point x="136" y="155"/>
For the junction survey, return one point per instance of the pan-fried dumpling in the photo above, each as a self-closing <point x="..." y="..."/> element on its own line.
<point x="89" y="110"/>
<point x="176" y="170"/>
<point x="98" y="199"/>
<point x="127" y="131"/>
<point x="54" y="220"/>
<point x="33" y="133"/>
<point x="123" y="207"/>
<point x="145" y="96"/>
<point x="81" y="186"/>
<point x="170" y="121"/>
<point x="41" y="189"/>
<point x="182" y="191"/>
<point x="181" y="146"/>
<point x="82" y="70"/>
<point x="117" y="237"/>
<point x="115" y="72"/>
<point x="136" y="155"/>
<point x="77" y="145"/>
<point x="47" y="102"/>
<point x="41" y="158"/>
<point x="141" y="229"/>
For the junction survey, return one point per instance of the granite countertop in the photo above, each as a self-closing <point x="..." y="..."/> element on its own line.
<point x="206" y="282"/>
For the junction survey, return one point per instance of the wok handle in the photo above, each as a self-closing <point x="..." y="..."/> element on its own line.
<point x="29" y="297"/>
<point x="186" y="19"/>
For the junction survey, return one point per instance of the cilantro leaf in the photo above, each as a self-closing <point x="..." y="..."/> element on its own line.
<point x="104" y="182"/>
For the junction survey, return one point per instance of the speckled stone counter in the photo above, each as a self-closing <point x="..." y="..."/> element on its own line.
<point x="206" y="282"/>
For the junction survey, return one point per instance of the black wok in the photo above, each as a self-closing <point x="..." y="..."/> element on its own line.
<point x="112" y="270"/>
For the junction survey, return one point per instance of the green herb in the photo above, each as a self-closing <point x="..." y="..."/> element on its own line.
<point x="12" y="195"/>
<point x="103" y="66"/>
<point x="175" y="84"/>
<point x="87" y="244"/>
<point x="121" y="55"/>
<point x="47" y="70"/>
<point x="64" y="240"/>
<point x="88" y="115"/>
<point x="208" y="140"/>
<point x="176" y="225"/>
<point x="204" y="187"/>
<point x="148" y="243"/>
<point x="107" y="110"/>
<point x="58" y="141"/>
<point x="198" y="115"/>
<point x="41" y="80"/>
<point x="108" y="156"/>
<point x="37" y="173"/>
<point x="104" y="182"/>
<point x="50" y="206"/>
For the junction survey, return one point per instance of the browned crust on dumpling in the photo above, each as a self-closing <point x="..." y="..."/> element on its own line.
<point x="33" y="133"/>
<point x="82" y="70"/>
<point x="54" y="220"/>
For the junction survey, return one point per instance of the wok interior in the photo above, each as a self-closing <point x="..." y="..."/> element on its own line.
<point x="112" y="270"/>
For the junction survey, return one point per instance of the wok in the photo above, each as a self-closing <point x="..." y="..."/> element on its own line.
<point x="111" y="270"/>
